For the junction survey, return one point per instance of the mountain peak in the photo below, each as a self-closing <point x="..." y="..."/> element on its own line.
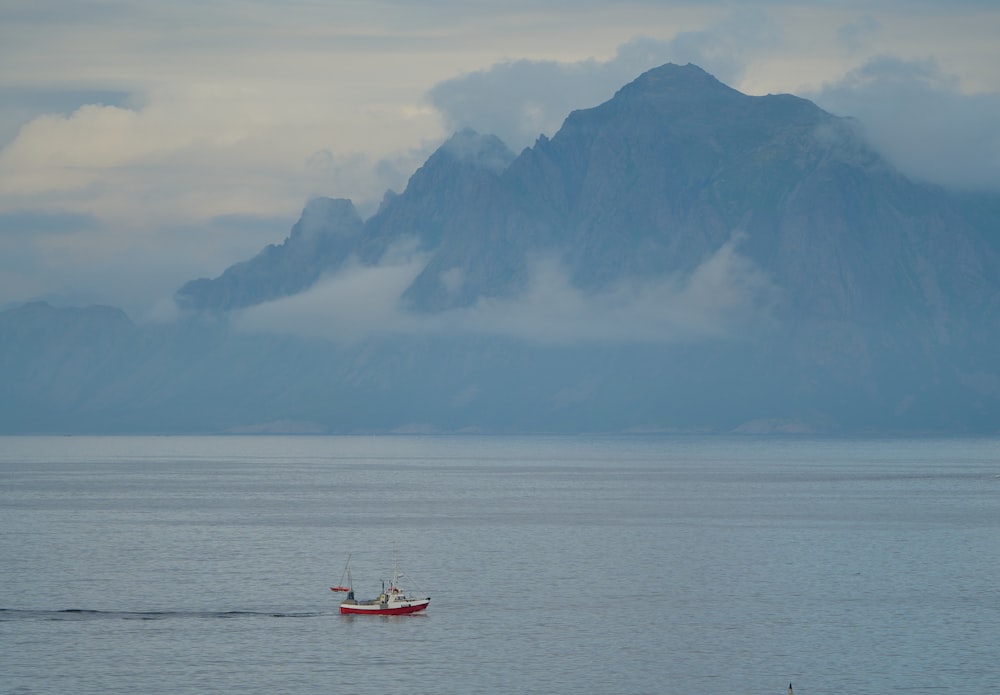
<point x="335" y="216"/>
<point x="678" y="83"/>
<point x="485" y="151"/>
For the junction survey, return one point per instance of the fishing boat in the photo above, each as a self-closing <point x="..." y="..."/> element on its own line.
<point x="392" y="601"/>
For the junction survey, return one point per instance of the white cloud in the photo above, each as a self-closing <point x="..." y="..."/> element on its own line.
<point x="727" y="296"/>
<point x="201" y="149"/>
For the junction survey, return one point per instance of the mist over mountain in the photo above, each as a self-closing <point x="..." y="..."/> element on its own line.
<point x="680" y="257"/>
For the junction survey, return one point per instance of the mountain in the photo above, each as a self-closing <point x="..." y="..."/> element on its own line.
<point x="680" y="257"/>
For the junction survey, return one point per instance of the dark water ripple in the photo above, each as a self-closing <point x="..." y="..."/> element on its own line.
<point x="11" y="614"/>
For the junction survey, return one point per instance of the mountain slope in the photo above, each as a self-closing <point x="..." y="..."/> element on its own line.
<point x="322" y="240"/>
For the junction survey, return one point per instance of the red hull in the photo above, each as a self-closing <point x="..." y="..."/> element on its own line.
<point x="351" y="610"/>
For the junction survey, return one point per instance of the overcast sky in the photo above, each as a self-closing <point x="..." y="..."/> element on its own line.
<point x="148" y="143"/>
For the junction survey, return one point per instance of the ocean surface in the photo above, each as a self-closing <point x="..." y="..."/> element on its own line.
<point x="645" y="564"/>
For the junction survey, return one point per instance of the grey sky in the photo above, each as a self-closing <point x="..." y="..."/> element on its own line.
<point x="134" y="134"/>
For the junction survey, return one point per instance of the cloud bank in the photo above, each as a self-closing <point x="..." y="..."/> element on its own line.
<point x="918" y="117"/>
<point x="726" y="297"/>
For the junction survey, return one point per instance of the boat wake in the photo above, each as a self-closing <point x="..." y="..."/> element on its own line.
<point x="8" y="614"/>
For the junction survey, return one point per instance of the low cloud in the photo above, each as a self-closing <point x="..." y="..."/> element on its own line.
<point x="357" y="302"/>
<point x="918" y="117"/>
<point x="727" y="296"/>
<point x="721" y="298"/>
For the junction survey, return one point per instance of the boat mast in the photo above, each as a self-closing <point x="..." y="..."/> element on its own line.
<point x="350" y="582"/>
<point x="347" y="572"/>
<point x="392" y="577"/>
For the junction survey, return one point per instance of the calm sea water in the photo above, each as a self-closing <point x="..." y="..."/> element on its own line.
<point x="680" y="565"/>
